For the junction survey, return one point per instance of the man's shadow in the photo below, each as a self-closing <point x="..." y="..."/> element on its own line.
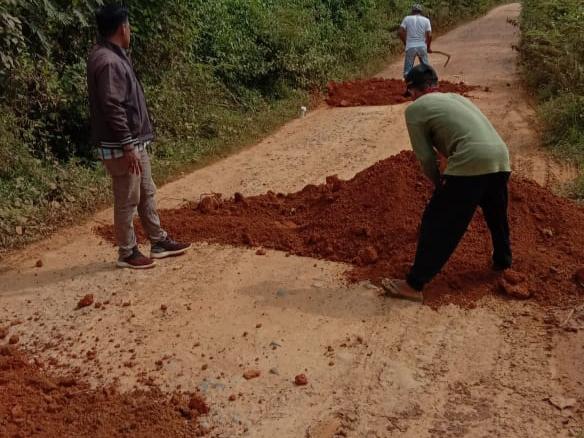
<point x="356" y="302"/>
<point x="13" y="282"/>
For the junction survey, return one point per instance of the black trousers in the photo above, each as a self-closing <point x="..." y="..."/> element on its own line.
<point x="448" y="215"/>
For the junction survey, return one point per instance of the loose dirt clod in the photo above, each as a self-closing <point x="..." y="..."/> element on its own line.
<point x="381" y="208"/>
<point x="4" y="332"/>
<point x="39" y="263"/>
<point x="379" y="91"/>
<point x="334" y="182"/>
<point x="87" y="300"/>
<point x="199" y="404"/>
<point x="301" y="380"/>
<point x="251" y="374"/>
<point x="238" y="197"/>
<point x="367" y="256"/>
<point x="13" y="339"/>
<point x="209" y="203"/>
<point x="513" y="277"/>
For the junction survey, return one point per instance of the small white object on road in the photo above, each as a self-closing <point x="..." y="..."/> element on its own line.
<point x="303" y="110"/>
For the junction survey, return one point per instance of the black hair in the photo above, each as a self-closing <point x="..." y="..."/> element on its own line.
<point x="422" y="76"/>
<point x="110" y="17"/>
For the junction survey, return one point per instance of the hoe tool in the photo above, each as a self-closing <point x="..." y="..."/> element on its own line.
<point x="448" y="56"/>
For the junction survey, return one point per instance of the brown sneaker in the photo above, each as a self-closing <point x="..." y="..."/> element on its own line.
<point x="136" y="261"/>
<point x="168" y="248"/>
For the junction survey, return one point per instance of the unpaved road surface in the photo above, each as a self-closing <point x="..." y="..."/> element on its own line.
<point x="375" y="367"/>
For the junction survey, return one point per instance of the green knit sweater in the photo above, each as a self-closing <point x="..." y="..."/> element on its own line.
<point x="453" y="126"/>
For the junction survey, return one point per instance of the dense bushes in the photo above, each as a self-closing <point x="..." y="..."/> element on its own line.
<point x="552" y="54"/>
<point x="217" y="74"/>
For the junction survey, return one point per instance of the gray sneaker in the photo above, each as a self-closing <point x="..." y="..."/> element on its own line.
<point x="402" y="290"/>
<point x="168" y="248"/>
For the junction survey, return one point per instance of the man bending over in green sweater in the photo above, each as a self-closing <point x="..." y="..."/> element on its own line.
<point x="476" y="176"/>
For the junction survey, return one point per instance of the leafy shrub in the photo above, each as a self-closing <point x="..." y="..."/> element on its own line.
<point x="552" y="56"/>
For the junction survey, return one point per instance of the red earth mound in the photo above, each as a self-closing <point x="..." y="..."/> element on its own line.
<point x="372" y="220"/>
<point x="379" y="91"/>
<point x="33" y="403"/>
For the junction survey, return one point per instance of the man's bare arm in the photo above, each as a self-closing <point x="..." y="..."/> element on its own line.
<point x="422" y="147"/>
<point x="402" y="35"/>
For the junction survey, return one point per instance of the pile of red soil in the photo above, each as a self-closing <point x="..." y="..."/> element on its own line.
<point x="33" y="403"/>
<point x="379" y="91"/>
<point x="372" y="220"/>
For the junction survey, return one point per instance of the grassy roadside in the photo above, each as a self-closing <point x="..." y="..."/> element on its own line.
<point x="552" y="61"/>
<point x="199" y="114"/>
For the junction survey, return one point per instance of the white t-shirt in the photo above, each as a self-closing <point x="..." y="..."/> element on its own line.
<point x="416" y="27"/>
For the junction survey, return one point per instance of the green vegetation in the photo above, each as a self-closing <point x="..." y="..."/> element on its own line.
<point x="552" y="55"/>
<point x="218" y="74"/>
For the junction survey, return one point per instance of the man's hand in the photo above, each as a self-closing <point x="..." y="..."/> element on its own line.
<point x="133" y="161"/>
<point x="429" y="41"/>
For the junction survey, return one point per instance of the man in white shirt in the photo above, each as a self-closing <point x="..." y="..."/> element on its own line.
<point x="416" y="34"/>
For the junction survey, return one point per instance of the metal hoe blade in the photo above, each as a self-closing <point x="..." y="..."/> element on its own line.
<point x="448" y="56"/>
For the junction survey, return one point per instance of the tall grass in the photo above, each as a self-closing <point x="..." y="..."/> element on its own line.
<point x="552" y="58"/>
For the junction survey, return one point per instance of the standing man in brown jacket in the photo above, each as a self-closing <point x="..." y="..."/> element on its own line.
<point x="122" y="130"/>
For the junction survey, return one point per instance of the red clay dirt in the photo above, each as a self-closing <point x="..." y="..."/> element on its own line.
<point x="301" y="380"/>
<point x="379" y="91"/>
<point x="372" y="220"/>
<point x="35" y="404"/>
<point x="86" y="301"/>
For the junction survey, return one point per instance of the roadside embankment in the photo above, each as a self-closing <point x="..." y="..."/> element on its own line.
<point x="552" y="59"/>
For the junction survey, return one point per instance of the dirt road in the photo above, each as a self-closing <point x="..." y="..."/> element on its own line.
<point x="375" y="367"/>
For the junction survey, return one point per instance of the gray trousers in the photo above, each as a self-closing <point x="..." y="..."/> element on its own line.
<point x="410" y="59"/>
<point x="133" y="192"/>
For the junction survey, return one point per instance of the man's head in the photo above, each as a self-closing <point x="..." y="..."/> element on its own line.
<point x="113" y="24"/>
<point x="417" y="9"/>
<point x="421" y="79"/>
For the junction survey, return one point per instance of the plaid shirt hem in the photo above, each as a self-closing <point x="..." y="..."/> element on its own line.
<point x="111" y="153"/>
